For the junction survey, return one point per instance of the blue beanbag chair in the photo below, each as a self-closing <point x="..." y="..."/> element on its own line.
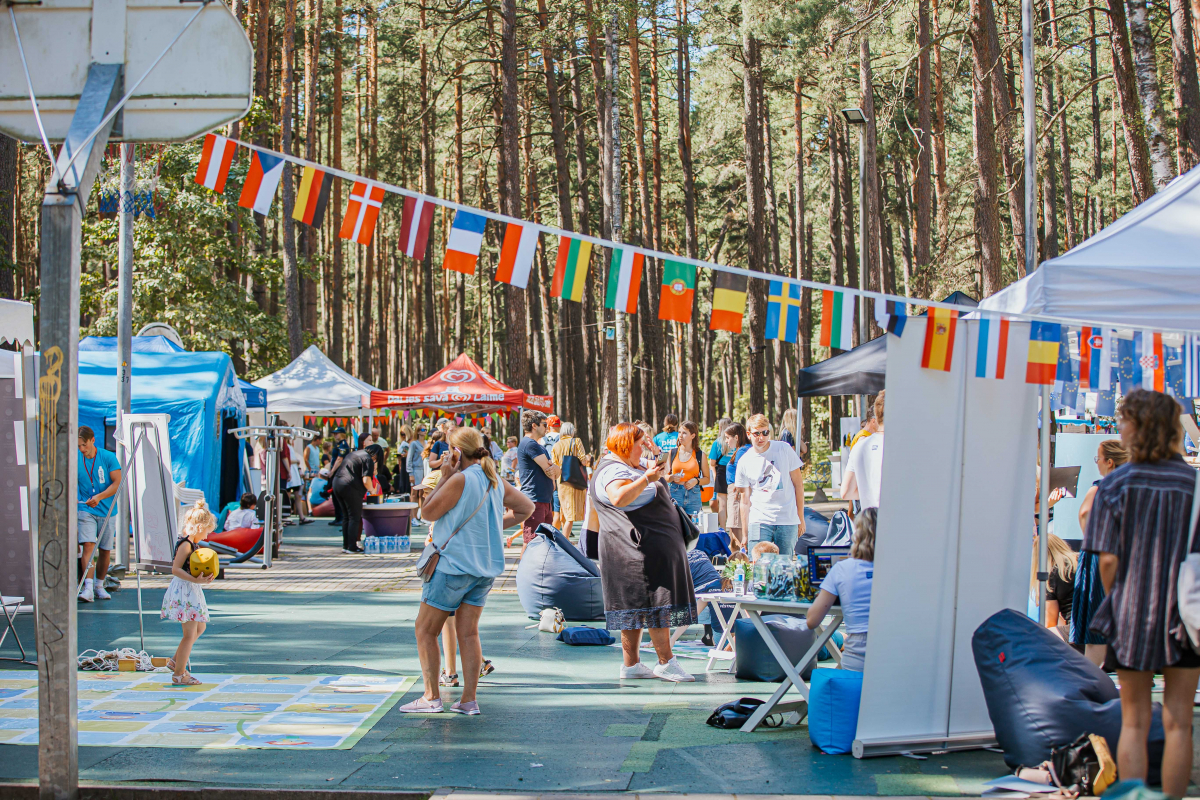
<point x="582" y="634"/>
<point x="753" y="661"/>
<point x="833" y="698"/>
<point x="713" y="544"/>
<point x="554" y="574"/>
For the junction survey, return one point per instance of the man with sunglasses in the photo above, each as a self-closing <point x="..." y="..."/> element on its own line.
<point x="772" y="474"/>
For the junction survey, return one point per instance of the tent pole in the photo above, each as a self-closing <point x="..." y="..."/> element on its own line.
<point x="1044" y="506"/>
<point x="124" y="333"/>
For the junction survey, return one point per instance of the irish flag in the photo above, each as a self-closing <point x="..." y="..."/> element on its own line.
<point x="624" y="280"/>
<point x="261" y="181"/>
<point x="516" y="254"/>
<point x="466" y="237"/>
<point x="678" y="292"/>
<point x="570" y="272"/>
<point x="214" y="162"/>
<point x="837" y="319"/>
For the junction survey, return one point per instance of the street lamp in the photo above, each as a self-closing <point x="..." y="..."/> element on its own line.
<point x="856" y="117"/>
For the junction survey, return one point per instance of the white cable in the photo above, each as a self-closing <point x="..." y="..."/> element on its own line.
<point x="83" y="145"/>
<point x="107" y="660"/>
<point x="29" y="82"/>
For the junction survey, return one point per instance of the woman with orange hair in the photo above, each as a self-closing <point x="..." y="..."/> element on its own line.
<point x="643" y="557"/>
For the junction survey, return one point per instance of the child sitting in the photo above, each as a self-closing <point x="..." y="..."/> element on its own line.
<point x="184" y="599"/>
<point x="244" y="517"/>
<point x="761" y="549"/>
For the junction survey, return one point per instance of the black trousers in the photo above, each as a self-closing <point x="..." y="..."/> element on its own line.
<point x="338" y="514"/>
<point x="349" y="494"/>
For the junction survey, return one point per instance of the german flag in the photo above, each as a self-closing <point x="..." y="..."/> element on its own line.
<point x="313" y="197"/>
<point x="1044" y="341"/>
<point x="729" y="301"/>
<point x="677" y="292"/>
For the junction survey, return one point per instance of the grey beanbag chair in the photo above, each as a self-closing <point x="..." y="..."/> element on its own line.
<point x="753" y="660"/>
<point x="554" y="574"/>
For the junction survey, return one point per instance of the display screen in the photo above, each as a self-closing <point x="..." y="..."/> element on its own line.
<point x="821" y="559"/>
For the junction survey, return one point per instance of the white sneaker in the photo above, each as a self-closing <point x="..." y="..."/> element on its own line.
<point x="88" y="594"/>
<point x="101" y="594"/>
<point x="637" y="671"/>
<point x="671" y="671"/>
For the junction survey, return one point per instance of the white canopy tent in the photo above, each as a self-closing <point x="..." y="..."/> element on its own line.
<point x="1143" y="271"/>
<point x="312" y="384"/>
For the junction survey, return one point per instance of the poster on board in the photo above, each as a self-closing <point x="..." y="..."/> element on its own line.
<point x="152" y="503"/>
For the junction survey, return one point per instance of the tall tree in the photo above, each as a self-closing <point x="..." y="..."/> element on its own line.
<point x="1145" y="64"/>
<point x="755" y="213"/>
<point x="984" y="149"/>
<point x="1187" y="90"/>
<point x="923" y="184"/>
<point x="8" y="218"/>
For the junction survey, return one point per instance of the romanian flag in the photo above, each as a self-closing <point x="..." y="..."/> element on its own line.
<point x="678" y="292"/>
<point x="939" y="339"/>
<point x="261" y="181"/>
<point x="313" y="197"/>
<point x="1044" y="341"/>
<point x="570" y="271"/>
<point x="466" y="239"/>
<point x="362" y="211"/>
<point x="624" y="280"/>
<point x="783" y="312"/>
<point x="516" y="254"/>
<point x="215" y="159"/>
<point x="837" y="319"/>
<point x="729" y="301"/>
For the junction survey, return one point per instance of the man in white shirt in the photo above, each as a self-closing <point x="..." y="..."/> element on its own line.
<point x="864" y="468"/>
<point x="773" y="476"/>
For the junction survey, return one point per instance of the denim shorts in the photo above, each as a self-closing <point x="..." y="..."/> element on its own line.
<point x="784" y="536"/>
<point x="448" y="592"/>
<point x="92" y="528"/>
<point x="687" y="499"/>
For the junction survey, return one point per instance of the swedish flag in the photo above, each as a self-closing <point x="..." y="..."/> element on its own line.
<point x="783" y="312"/>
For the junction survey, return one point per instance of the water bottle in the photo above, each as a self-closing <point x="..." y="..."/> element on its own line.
<point x="371" y="545"/>
<point x="739" y="582"/>
<point x="405" y="543"/>
<point x="391" y="544"/>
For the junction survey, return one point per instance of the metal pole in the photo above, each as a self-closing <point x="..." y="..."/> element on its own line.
<point x="864" y="261"/>
<point x="614" y="54"/>
<point x="124" y="336"/>
<point x="1043" y="505"/>
<point x="271" y="484"/>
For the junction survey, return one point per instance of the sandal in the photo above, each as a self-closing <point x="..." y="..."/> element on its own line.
<point x="448" y="680"/>
<point x="185" y="680"/>
<point x="487" y="668"/>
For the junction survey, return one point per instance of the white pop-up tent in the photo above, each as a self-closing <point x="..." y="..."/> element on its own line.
<point x="312" y="384"/>
<point x="1143" y="271"/>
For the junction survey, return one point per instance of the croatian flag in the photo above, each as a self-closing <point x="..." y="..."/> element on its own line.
<point x="516" y="254"/>
<point x="261" y="181"/>
<point x="991" y="354"/>
<point x="466" y="237"/>
<point x="1151" y="360"/>
<point x="214" y="162"/>
<point x="1095" y="359"/>
<point x="414" y="226"/>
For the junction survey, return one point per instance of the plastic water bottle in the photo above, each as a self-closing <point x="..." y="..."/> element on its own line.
<point x="405" y="543"/>
<point x="372" y="545"/>
<point x="739" y="582"/>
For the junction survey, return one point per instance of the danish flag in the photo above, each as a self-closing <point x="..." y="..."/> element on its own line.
<point x="361" y="212"/>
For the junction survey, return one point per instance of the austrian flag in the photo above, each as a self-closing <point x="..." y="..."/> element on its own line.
<point x="361" y="212"/>
<point x="214" y="162"/>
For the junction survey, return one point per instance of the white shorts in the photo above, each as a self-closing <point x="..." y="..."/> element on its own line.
<point x="93" y="528"/>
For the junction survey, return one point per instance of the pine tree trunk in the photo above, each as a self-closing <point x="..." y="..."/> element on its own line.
<point x="939" y="139"/>
<point x="984" y="142"/>
<point x="1187" y="89"/>
<point x="835" y="201"/>
<point x="755" y="215"/>
<point x="1145" y="64"/>
<point x="431" y="350"/>
<point x="337" y="343"/>
<point x="312" y="50"/>
<point x="1132" y="122"/>
<point x="1097" y="143"/>
<point x="875" y="274"/>
<point x="904" y="212"/>
<point x="847" y="169"/>
<point x="1006" y="130"/>
<point x="460" y="299"/>
<point x="1049" y="166"/>
<point x="9" y="220"/>
<point x="924" y="234"/>
<point x="683" y="96"/>
<point x="1068" y="194"/>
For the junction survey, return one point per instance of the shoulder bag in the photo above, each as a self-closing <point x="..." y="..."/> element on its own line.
<point x="690" y="532"/>
<point x="574" y="473"/>
<point x="1187" y="587"/>
<point x="427" y="563"/>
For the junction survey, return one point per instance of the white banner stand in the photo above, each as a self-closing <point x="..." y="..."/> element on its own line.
<point x="953" y="542"/>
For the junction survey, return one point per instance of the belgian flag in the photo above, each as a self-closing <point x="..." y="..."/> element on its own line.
<point x="312" y="197"/>
<point x="729" y="301"/>
<point x="677" y="292"/>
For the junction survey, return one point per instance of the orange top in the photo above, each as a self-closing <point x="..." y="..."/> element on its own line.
<point x="689" y="467"/>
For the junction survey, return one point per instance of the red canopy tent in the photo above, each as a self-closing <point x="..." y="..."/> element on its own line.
<point x="461" y="388"/>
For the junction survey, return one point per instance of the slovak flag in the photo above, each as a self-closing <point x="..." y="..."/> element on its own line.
<point x="366" y="199"/>
<point x="214" y="162"/>
<point x="261" y="181"/>
<point x="415" y="222"/>
<point x="1095" y="359"/>
<point x="466" y="238"/>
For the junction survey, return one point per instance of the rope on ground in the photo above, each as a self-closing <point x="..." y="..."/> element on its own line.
<point x="106" y="660"/>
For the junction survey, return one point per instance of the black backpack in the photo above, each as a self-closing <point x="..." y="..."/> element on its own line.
<point x="734" y="715"/>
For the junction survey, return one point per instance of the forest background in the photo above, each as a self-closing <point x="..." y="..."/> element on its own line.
<point x="729" y="146"/>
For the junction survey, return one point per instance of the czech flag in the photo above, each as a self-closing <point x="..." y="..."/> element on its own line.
<point x="1095" y="359"/>
<point x="624" y="280"/>
<point x="677" y="293"/>
<point x="570" y="270"/>
<point x="783" y="312"/>
<point x="362" y="211"/>
<point x="215" y="159"/>
<point x="1044" y="341"/>
<point x="261" y="181"/>
<point x="466" y="238"/>
<point x="837" y="319"/>
<point x="415" y="222"/>
<point x="516" y="254"/>
<point x="991" y="353"/>
<point x="313" y="197"/>
<point x="939" y="339"/>
<point x="729" y="301"/>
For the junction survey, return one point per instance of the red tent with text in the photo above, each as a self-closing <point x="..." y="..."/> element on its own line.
<point x="460" y="388"/>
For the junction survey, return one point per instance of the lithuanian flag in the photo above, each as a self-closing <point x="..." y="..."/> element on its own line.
<point x="729" y="301"/>
<point x="678" y="292"/>
<point x="313" y="197"/>
<point x="570" y="272"/>
<point x="1044" y="341"/>
<point x="939" y="339"/>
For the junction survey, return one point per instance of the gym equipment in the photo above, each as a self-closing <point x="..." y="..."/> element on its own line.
<point x="269" y="500"/>
<point x="553" y="573"/>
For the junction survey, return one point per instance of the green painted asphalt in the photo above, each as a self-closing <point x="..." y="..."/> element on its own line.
<point x="555" y="718"/>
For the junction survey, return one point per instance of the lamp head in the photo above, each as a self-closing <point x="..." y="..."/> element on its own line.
<point x="854" y="116"/>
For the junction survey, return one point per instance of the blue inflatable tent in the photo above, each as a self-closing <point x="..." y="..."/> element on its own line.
<point x="198" y="390"/>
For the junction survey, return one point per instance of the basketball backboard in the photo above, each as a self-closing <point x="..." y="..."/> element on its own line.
<point x="205" y="80"/>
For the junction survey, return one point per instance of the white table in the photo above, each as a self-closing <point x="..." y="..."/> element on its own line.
<point x="752" y="608"/>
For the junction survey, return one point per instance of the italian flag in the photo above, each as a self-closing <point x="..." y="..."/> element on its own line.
<point x="837" y="319"/>
<point x="624" y="280"/>
<point x="677" y="292"/>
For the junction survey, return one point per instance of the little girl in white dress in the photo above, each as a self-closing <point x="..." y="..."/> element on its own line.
<point x="184" y="600"/>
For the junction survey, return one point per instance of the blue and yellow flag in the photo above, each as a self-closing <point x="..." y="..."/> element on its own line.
<point x="783" y="312"/>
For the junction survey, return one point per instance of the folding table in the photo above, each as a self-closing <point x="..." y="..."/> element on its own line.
<point x="752" y="608"/>
<point x="11" y="606"/>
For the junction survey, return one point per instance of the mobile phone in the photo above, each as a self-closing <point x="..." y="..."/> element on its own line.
<point x="661" y="458"/>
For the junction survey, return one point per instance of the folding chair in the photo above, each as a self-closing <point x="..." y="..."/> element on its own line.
<point x="13" y="606"/>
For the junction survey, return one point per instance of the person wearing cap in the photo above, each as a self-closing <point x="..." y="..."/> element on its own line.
<point x="552" y="437"/>
<point x="341" y="449"/>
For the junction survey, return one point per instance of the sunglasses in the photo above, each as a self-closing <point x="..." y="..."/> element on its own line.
<point x="763" y="434"/>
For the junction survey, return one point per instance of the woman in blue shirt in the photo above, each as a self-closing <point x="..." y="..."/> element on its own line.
<point x="737" y="442"/>
<point x="849" y="585"/>
<point x="719" y="455"/>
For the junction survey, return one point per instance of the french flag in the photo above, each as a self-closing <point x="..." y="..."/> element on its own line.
<point x="261" y="181"/>
<point x="466" y="238"/>
<point x="415" y="221"/>
<point x="516" y="254"/>
<point x="991" y="354"/>
<point x="215" y="160"/>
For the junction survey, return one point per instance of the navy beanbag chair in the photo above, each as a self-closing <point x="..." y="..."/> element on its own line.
<point x="1042" y="694"/>
<point x="753" y="660"/>
<point x="833" y="699"/>
<point x="554" y="574"/>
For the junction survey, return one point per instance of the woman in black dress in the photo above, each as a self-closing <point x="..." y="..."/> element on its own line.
<point x="643" y="559"/>
<point x="1139" y="526"/>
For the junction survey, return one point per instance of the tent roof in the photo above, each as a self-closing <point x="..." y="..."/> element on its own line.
<point x="139" y="344"/>
<point x="16" y="322"/>
<point x="1143" y="271"/>
<point x="313" y="383"/>
<point x="161" y="376"/>
<point x="462" y="387"/>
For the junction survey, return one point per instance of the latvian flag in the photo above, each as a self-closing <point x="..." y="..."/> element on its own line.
<point x="261" y="181"/>
<point x="214" y="162"/>
<point x="415" y="222"/>
<point x="837" y="319"/>
<point x="991" y="354"/>
<point x="516" y="254"/>
<point x="362" y="211"/>
<point x="1095" y="359"/>
<point x="313" y="197"/>
<point x="624" y="280"/>
<point x="466" y="238"/>
<point x="891" y="316"/>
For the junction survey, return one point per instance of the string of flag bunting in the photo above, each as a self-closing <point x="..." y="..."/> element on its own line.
<point x="1128" y="357"/>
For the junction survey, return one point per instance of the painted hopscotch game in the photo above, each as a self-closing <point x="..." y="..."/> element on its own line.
<point x="138" y="709"/>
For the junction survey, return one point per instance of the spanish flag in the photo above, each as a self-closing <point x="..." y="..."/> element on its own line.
<point x="570" y="272"/>
<point x="1044" y="341"/>
<point x="729" y="301"/>
<point x="313" y="197"/>
<point x="939" y="339"/>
